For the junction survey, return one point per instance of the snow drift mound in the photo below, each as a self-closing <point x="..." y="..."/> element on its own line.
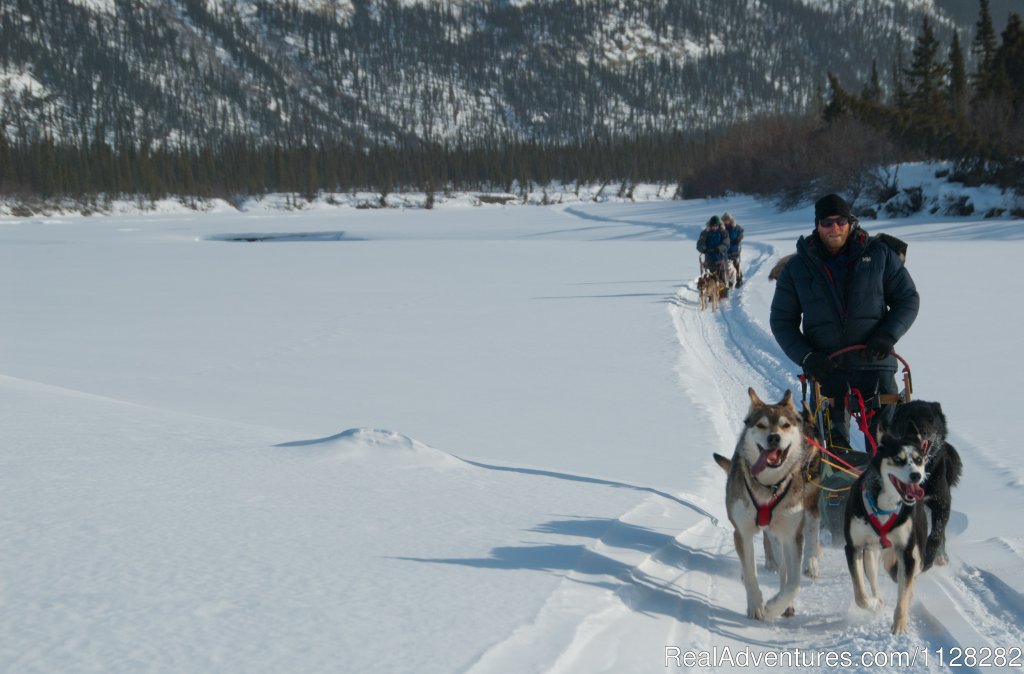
<point x="368" y="444"/>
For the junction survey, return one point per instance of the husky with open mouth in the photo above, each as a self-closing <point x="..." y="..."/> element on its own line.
<point x="766" y="490"/>
<point x="885" y="516"/>
<point x="923" y="424"/>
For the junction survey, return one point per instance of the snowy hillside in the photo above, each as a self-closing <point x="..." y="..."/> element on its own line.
<point x="207" y="72"/>
<point x="469" y="439"/>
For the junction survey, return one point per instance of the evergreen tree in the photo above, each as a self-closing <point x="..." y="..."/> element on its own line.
<point x="872" y="91"/>
<point x="7" y="172"/>
<point x="984" y="50"/>
<point x="959" y="92"/>
<point x="900" y="97"/>
<point x="926" y="76"/>
<point x="1010" y="63"/>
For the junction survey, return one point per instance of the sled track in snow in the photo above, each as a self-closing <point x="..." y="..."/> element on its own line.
<point x="615" y="611"/>
<point x="959" y="607"/>
<point x="747" y="341"/>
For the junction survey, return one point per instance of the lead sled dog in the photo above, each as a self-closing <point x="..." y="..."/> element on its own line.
<point x="767" y="490"/>
<point x="885" y="516"/>
<point x="709" y="290"/>
<point x="923" y="425"/>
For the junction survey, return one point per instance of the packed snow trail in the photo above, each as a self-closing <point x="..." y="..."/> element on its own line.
<point x="609" y="614"/>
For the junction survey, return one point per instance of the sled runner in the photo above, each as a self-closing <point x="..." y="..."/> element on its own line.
<point x="841" y="465"/>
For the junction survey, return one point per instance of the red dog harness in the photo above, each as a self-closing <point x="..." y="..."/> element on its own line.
<point x="882" y="529"/>
<point x="765" y="510"/>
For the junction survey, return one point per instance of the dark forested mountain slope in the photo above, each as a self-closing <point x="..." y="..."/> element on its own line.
<point x="192" y="72"/>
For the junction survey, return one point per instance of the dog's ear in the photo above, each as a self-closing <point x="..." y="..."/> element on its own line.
<point x="725" y="463"/>
<point x="787" y="400"/>
<point x="753" y="397"/>
<point x="807" y="417"/>
<point x="882" y="452"/>
<point x="880" y="430"/>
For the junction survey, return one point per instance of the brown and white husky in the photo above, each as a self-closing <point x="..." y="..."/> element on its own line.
<point x="766" y="490"/>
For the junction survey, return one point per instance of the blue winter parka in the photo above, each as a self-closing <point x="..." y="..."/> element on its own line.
<point x="825" y="303"/>
<point x="714" y="243"/>
<point x="735" y="239"/>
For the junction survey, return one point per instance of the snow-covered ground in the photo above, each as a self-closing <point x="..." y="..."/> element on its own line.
<point x="451" y="440"/>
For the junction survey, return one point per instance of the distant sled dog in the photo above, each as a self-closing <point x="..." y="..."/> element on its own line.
<point x="923" y="424"/>
<point x="885" y="515"/>
<point x="730" y="275"/>
<point x="765" y="489"/>
<point x="709" y="287"/>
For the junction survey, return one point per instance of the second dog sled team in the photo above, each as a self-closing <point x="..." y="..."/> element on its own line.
<point x="720" y="244"/>
<point x="841" y="304"/>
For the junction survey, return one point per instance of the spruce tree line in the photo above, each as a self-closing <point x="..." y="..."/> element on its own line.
<point x="932" y="107"/>
<point x="938" y="110"/>
<point x="50" y="170"/>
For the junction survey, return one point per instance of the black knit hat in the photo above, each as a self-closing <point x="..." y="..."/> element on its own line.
<point x="829" y="205"/>
<point x="715" y="220"/>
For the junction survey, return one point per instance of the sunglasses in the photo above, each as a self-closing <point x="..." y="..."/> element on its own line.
<point x="829" y="223"/>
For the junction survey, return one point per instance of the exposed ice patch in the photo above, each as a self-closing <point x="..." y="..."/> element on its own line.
<point x="283" y="236"/>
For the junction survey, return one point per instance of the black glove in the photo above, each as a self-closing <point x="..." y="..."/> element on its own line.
<point x="818" y="365"/>
<point x="879" y="346"/>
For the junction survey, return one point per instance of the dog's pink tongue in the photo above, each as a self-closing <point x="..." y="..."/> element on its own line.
<point x="916" y="492"/>
<point x="762" y="460"/>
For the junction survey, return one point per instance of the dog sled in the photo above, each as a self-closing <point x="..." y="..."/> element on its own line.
<point x="841" y="465"/>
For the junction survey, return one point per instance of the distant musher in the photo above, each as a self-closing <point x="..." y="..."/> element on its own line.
<point x="713" y="243"/>
<point x="735" y="233"/>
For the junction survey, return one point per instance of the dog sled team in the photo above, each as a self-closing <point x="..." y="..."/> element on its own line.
<point x="719" y="246"/>
<point x="841" y="304"/>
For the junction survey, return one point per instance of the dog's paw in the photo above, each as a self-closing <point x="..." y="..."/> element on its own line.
<point x="789" y="612"/>
<point x="778" y="606"/>
<point x="755" y="611"/>
<point x="870" y="603"/>
<point x="934" y="553"/>
<point x="811" y="569"/>
<point x="899" y="626"/>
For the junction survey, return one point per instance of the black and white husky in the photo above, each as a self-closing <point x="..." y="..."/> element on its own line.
<point x="923" y="424"/>
<point x="885" y="515"/>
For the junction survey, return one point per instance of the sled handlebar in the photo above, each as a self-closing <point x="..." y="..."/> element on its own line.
<point x="861" y="347"/>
